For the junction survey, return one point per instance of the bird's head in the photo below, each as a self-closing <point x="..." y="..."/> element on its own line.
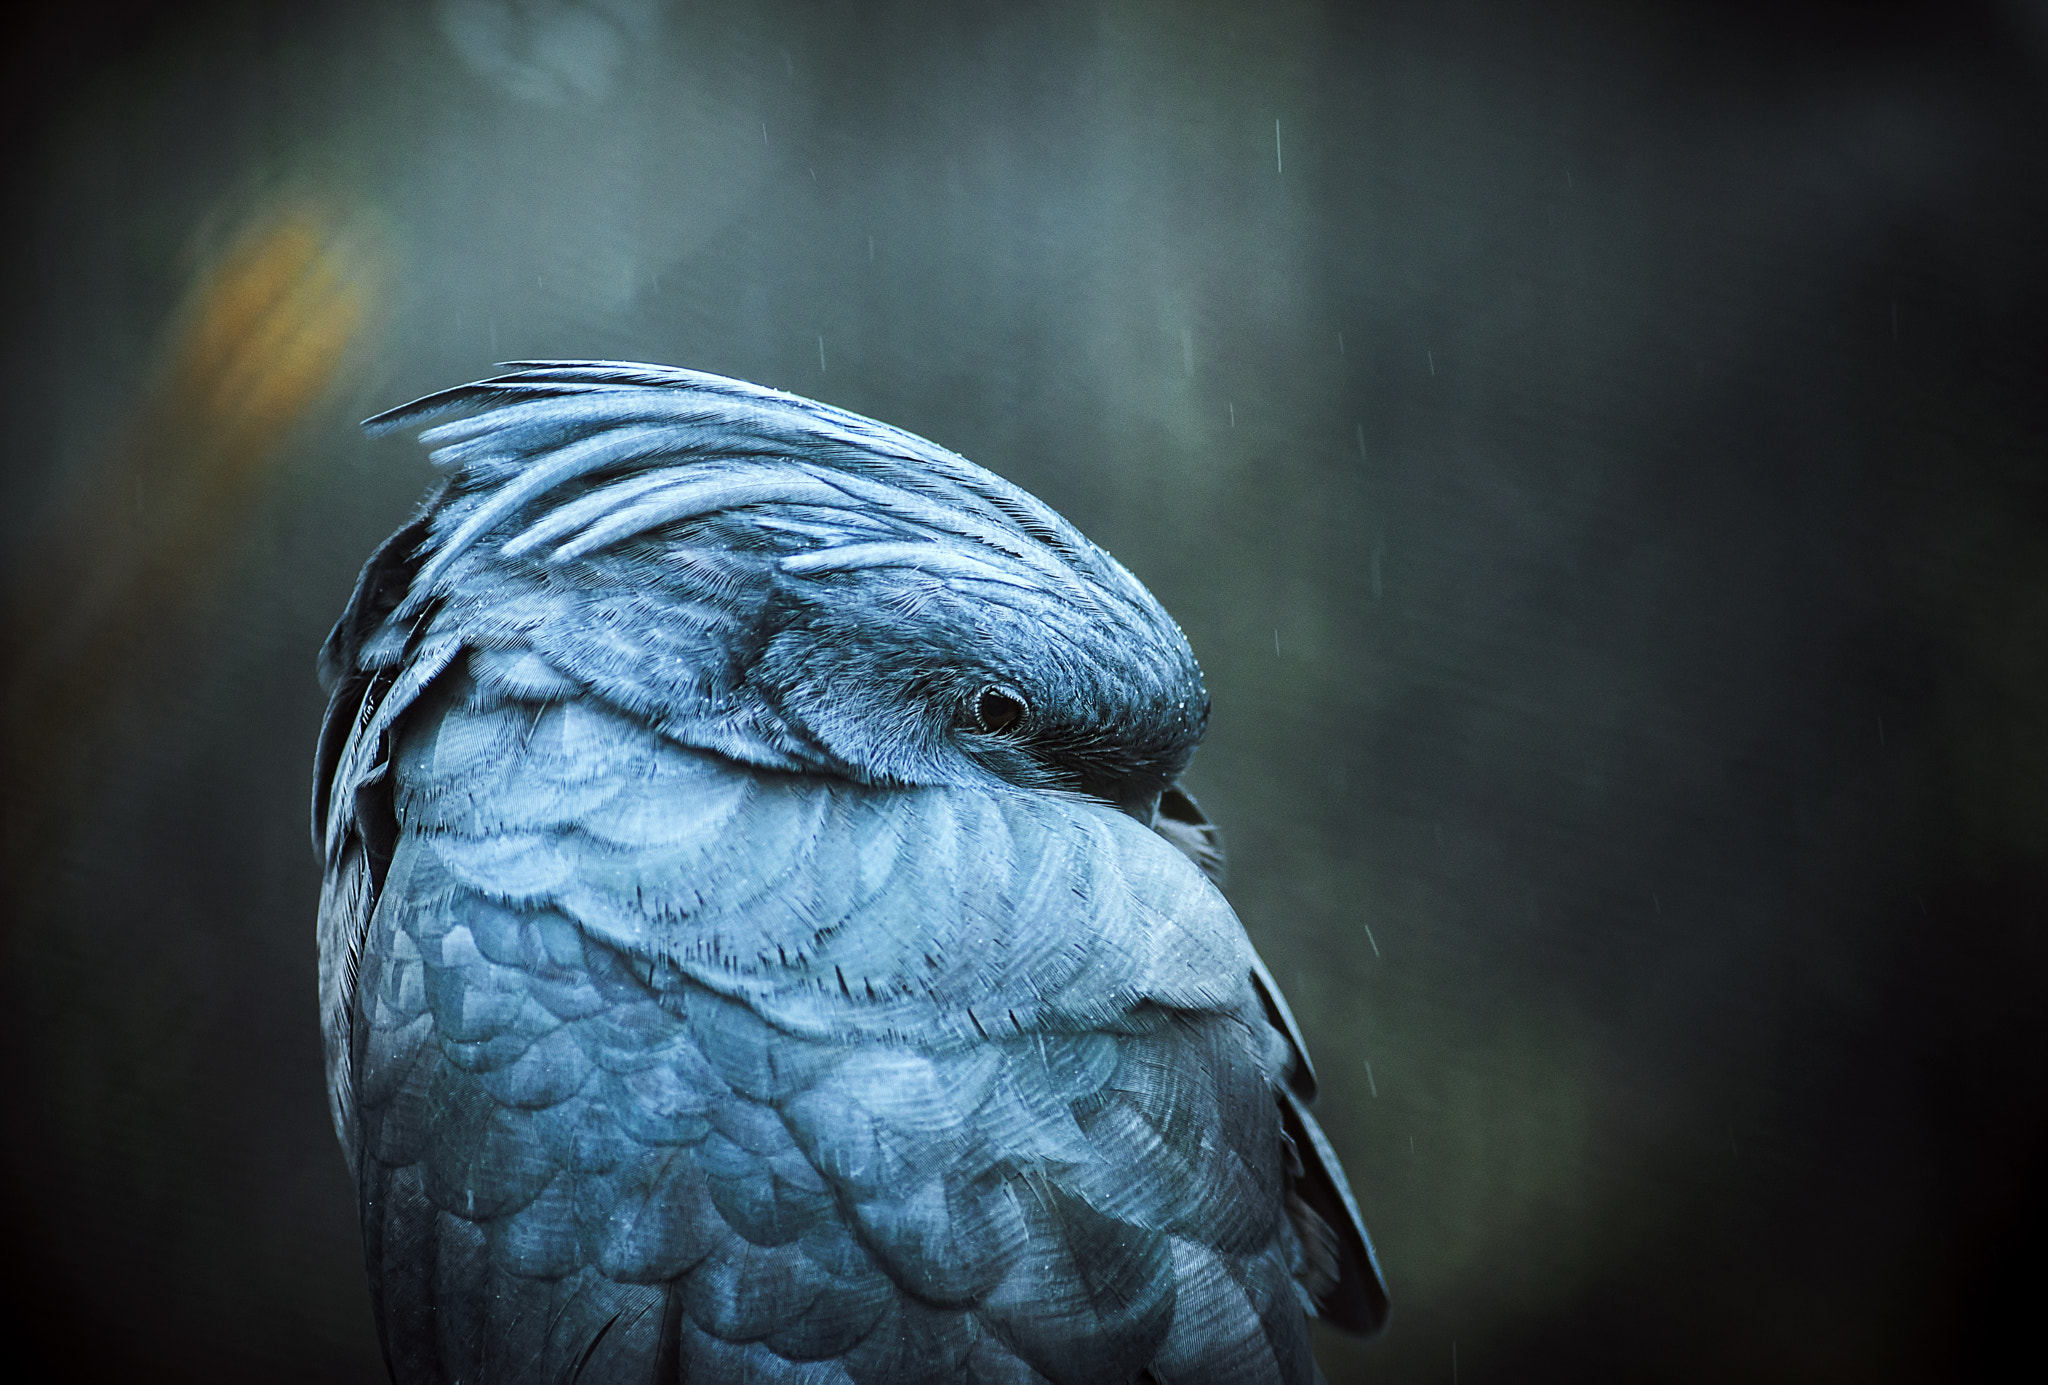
<point x="792" y="586"/>
<point x="932" y="656"/>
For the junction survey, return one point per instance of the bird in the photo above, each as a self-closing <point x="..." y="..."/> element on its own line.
<point x="764" y="935"/>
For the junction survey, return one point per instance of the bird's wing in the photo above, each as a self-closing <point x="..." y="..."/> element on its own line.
<point x="354" y="829"/>
<point x="1345" y="1277"/>
<point x="654" y="1058"/>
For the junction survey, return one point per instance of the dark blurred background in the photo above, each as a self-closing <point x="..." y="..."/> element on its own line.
<point x="1599" y="453"/>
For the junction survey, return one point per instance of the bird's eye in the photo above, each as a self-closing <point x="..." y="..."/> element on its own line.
<point x="997" y="710"/>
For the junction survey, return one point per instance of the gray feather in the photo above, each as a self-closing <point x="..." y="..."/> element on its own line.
<point x="709" y="991"/>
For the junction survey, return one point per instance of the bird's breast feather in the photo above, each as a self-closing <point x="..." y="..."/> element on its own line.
<point x="827" y="907"/>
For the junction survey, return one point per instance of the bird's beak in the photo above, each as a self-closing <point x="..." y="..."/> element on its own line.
<point x="1178" y="818"/>
<point x="1136" y="794"/>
